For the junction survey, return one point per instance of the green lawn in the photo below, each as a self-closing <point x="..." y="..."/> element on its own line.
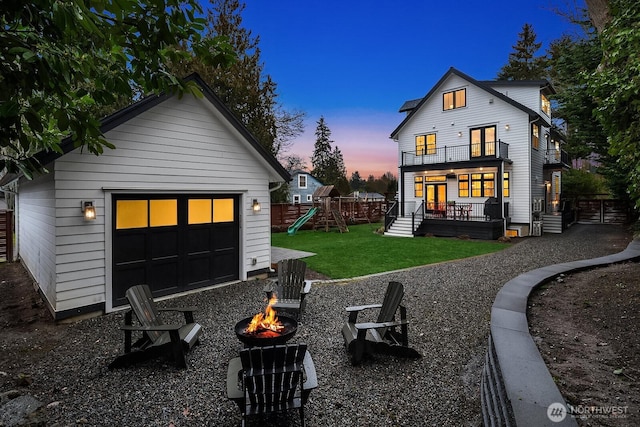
<point x="361" y="251"/>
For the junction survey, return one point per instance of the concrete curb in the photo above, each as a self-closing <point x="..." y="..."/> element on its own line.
<point x="517" y="387"/>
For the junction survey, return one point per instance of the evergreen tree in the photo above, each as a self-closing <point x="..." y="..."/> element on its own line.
<point x="356" y="182"/>
<point x="616" y="88"/>
<point x="327" y="161"/>
<point x="523" y="64"/>
<point x="244" y="87"/>
<point x="571" y="60"/>
<point x="321" y="158"/>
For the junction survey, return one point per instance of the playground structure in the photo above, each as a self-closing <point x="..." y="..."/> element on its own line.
<point x="329" y="210"/>
<point x="301" y="221"/>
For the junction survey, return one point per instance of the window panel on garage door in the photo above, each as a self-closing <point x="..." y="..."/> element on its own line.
<point x="174" y="243"/>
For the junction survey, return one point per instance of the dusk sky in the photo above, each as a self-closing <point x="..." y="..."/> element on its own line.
<point x="356" y="62"/>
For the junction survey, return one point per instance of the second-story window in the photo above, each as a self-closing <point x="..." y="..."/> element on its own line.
<point x="302" y="181"/>
<point x="535" y="136"/>
<point x="426" y="144"/>
<point x="545" y="105"/>
<point x="483" y="141"/>
<point x="454" y="99"/>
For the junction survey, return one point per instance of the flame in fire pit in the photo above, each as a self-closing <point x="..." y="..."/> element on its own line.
<point x="267" y="323"/>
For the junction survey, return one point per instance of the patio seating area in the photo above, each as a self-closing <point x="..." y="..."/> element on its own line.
<point x="448" y="306"/>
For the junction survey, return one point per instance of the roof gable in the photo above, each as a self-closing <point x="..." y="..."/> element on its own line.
<point x="137" y="108"/>
<point x="482" y="85"/>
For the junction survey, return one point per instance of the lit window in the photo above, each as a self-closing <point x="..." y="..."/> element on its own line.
<point x="454" y="99"/>
<point x="463" y="185"/>
<point x="199" y="211"/>
<point x="505" y="185"/>
<point x="545" y="105"/>
<point x="426" y="144"/>
<point x="482" y="185"/>
<point x="131" y="214"/>
<point x="535" y="136"/>
<point x="418" y="187"/>
<point x="483" y="141"/>
<point x="223" y="210"/>
<point x="420" y="145"/>
<point x="163" y="213"/>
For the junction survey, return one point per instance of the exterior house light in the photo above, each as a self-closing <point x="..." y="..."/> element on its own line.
<point x="88" y="209"/>
<point x="506" y="127"/>
<point x="256" y="205"/>
<point x="459" y="134"/>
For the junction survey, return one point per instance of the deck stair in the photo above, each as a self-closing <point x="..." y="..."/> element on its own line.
<point x="552" y="224"/>
<point x="401" y="227"/>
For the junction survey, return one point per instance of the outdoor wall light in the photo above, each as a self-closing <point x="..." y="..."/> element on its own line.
<point x="459" y="134"/>
<point x="256" y="205"/>
<point x="88" y="209"/>
<point x="506" y="127"/>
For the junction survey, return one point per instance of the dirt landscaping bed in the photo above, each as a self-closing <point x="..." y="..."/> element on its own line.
<point x="586" y="328"/>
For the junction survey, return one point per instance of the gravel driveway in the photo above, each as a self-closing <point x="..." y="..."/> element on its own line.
<point x="448" y="304"/>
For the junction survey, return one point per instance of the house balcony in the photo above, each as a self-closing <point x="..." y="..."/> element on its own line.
<point x="457" y="154"/>
<point x="555" y="157"/>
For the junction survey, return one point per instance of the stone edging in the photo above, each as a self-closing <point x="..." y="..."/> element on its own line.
<point x="517" y="387"/>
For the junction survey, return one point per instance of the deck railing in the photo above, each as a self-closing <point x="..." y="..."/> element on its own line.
<point x="457" y="153"/>
<point x="464" y="211"/>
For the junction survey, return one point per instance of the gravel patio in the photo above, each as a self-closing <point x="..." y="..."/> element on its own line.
<point x="448" y="305"/>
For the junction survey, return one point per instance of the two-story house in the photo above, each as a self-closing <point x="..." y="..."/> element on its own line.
<point x="302" y="187"/>
<point x="477" y="158"/>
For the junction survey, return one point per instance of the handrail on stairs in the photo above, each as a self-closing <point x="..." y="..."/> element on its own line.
<point x="420" y="212"/>
<point x="390" y="215"/>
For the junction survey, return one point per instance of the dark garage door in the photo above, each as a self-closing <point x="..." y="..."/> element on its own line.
<point x="174" y="243"/>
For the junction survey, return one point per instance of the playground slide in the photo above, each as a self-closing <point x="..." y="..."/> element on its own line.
<point x="300" y="221"/>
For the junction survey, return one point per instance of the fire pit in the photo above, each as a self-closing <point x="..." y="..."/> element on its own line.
<point x="266" y="328"/>
<point x="267" y="337"/>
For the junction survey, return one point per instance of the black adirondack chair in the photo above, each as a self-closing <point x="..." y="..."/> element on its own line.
<point x="382" y="336"/>
<point x="158" y="338"/>
<point x="290" y="288"/>
<point x="273" y="379"/>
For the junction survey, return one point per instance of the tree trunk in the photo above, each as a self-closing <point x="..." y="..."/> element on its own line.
<point x="598" y="13"/>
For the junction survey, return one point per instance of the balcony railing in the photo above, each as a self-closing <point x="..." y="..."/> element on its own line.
<point x="457" y="153"/>
<point x="553" y="156"/>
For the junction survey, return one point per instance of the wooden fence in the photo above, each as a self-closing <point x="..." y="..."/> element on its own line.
<point x="603" y="211"/>
<point x="353" y="212"/>
<point x="6" y="235"/>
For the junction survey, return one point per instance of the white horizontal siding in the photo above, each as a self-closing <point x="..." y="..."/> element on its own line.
<point x="483" y="109"/>
<point x="36" y="231"/>
<point x="180" y="146"/>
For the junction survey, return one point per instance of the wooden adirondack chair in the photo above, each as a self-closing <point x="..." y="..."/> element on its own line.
<point x="290" y="288"/>
<point x="158" y="339"/>
<point x="362" y="339"/>
<point x="266" y="380"/>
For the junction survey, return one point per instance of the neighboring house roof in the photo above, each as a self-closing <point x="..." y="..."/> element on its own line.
<point x="363" y="195"/>
<point x="127" y="113"/>
<point x="304" y="172"/>
<point x="482" y="85"/>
